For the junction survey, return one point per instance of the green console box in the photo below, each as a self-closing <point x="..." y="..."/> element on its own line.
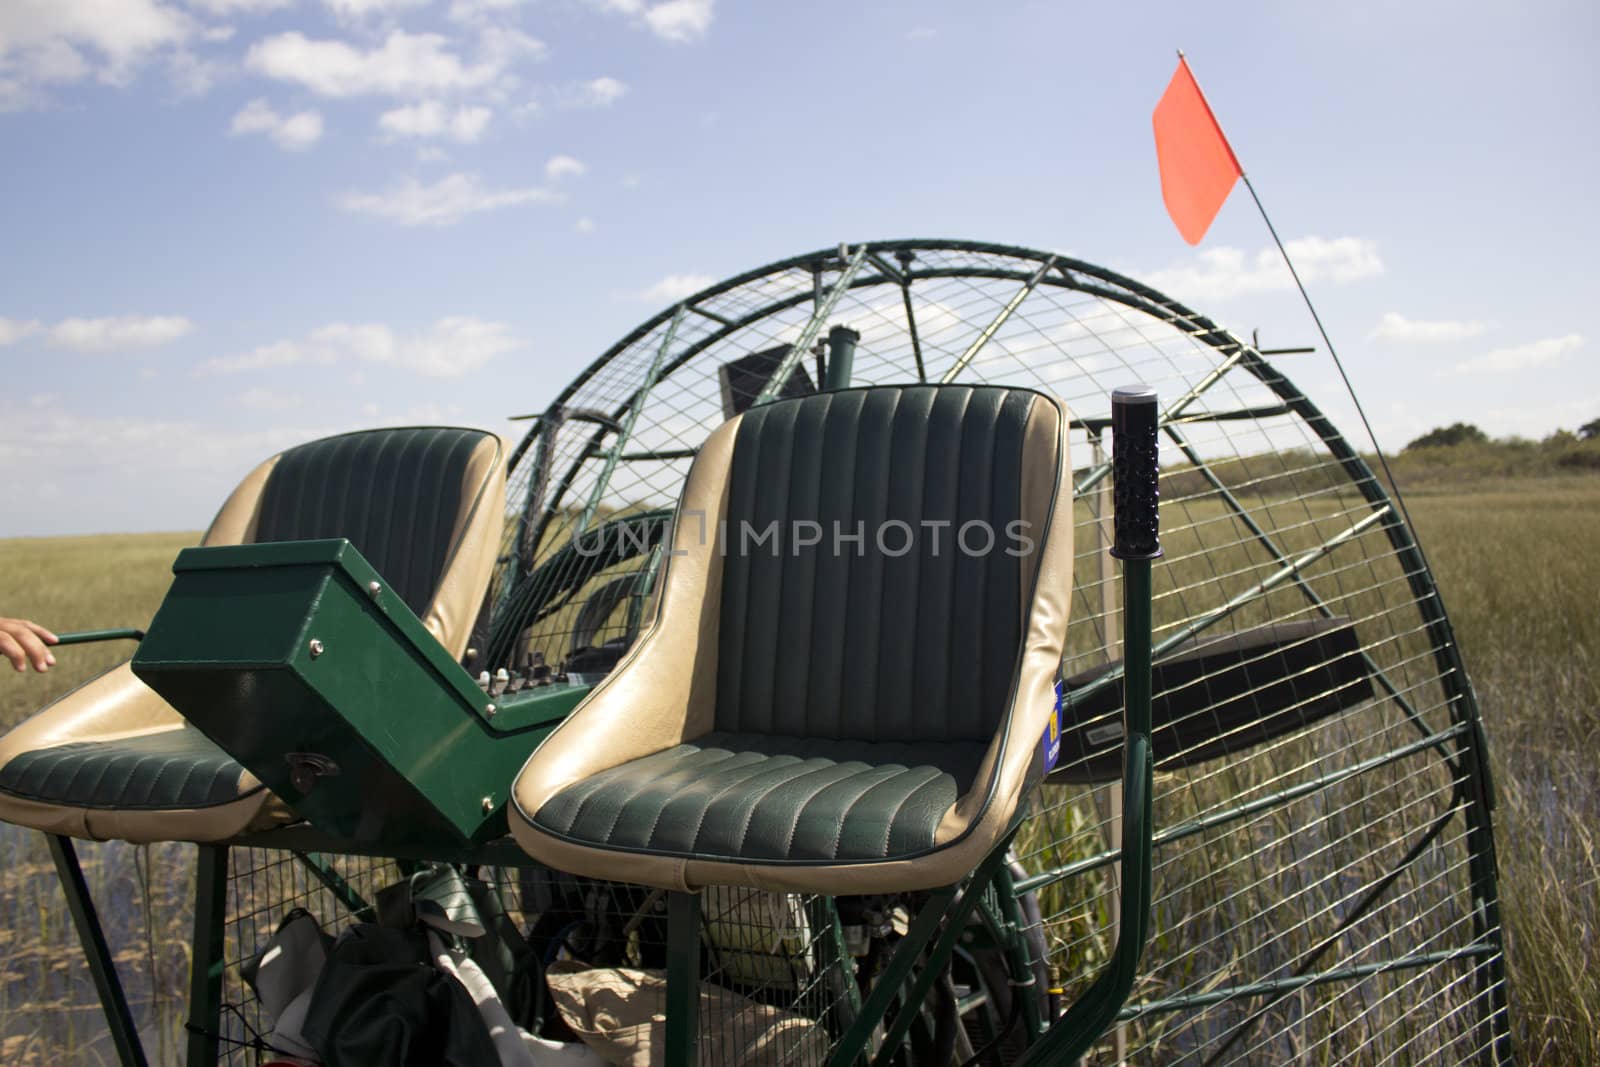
<point x="297" y="660"/>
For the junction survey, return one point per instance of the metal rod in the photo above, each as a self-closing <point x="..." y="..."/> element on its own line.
<point x="999" y="320"/>
<point x="359" y="909"/>
<point x="1343" y="974"/>
<point x="887" y="985"/>
<point x="1283" y="796"/>
<point x="841" y="357"/>
<point x="628" y="421"/>
<point x="205" y="967"/>
<point x="683" y="978"/>
<point x="808" y="335"/>
<point x="83" y="637"/>
<point x="938" y="955"/>
<point x="113" y="1002"/>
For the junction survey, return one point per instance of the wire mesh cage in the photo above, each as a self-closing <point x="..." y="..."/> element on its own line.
<point x="1324" y="861"/>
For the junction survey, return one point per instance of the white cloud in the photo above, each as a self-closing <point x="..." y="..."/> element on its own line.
<point x="921" y="33"/>
<point x="1396" y="327"/>
<point x="584" y="225"/>
<point x="675" y="287"/>
<point x="673" y="20"/>
<point x="355" y="10"/>
<point x="258" y="399"/>
<point x="1226" y="272"/>
<point x="292" y="133"/>
<point x="476" y="11"/>
<point x="238" y="7"/>
<point x="446" y="201"/>
<point x="563" y="167"/>
<point x="406" y="64"/>
<point x="126" y="331"/>
<point x="449" y="348"/>
<point x="14" y="330"/>
<point x="430" y="118"/>
<point x="46" y="42"/>
<point x="1530" y="356"/>
<point x="599" y="92"/>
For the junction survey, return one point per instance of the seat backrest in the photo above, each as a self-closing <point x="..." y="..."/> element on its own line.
<point x="424" y="505"/>
<point x="904" y="618"/>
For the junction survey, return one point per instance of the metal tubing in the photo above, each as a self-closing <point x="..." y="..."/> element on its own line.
<point x="83" y="637"/>
<point x="124" y="1034"/>
<point x="938" y="955"/>
<point x="808" y="335"/>
<point x="1283" y="796"/>
<point x="205" y="968"/>
<point x="683" y="978"/>
<point x="628" y="420"/>
<point x="841" y="357"/>
<point x="999" y="320"/>
<point x="354" y="903"/>
<point x="887" y="984"/>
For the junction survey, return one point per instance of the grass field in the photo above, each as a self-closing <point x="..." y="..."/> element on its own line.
<point x="1515" y="563"/>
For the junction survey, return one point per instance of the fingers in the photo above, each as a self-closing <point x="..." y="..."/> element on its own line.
<point x="23" y="642"/>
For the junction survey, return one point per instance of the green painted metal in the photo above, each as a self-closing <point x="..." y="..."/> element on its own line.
<point x="354" y="903"/>
<point x="842" y="341"/>
<point x="295" y="659"/>
<point x="628" y="421"/>
<point x="999" y="320"/>
<point x="1289" y="985"/>
<point x="1018" y="955"/>
<point x="113" y="1002"/>
<point x="1214" y="819"/>
<point x="886" y="985"/>
<point x="808" y="335"/>
<point x="1072" y="1034"/>
<point x="834" y="959"/>
<point x="938" y="953"/>
<point x="206" y="963"/>
<point x="683" y="979"/>
<point x="83" y="637"/>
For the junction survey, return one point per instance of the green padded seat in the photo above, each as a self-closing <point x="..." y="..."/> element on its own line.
<point x="112" y="759"/>
<point x="775" y="799"/>
<point x="850" y="673"/>
<point x="172" y="769"/>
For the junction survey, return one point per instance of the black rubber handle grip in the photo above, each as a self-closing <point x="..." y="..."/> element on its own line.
<point x="1136" y="467"/>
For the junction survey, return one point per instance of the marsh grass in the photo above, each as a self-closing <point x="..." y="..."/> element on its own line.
<point x="1516" y="566"/>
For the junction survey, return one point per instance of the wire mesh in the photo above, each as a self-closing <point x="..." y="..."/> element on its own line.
<point x="1324" y="888"/>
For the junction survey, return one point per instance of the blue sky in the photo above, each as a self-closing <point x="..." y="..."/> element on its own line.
<point x="232" y="225"/>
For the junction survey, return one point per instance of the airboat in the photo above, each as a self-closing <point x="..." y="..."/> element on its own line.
<point x="917" y="652"/>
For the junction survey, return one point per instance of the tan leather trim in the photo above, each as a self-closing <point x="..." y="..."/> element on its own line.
<point x="113" y="706"/>
<point x="475" y="538"/>
<point x="664" y="690"/>
<point x="235" y="523"/>
<point x="997" y="787"/>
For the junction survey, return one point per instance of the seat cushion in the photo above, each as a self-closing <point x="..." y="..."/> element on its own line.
<point x="769" y="799"/>
<point x="171" y="769"/>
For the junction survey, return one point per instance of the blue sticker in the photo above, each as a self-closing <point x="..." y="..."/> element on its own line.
<point x="1052" y="732"/>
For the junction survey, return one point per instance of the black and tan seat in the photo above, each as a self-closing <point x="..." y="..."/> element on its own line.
<point x="112" y="760"/>
<point x="852" y="663"/>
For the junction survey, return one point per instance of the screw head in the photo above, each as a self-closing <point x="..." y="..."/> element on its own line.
<point x="488" y="805"/>
<point x="489" y="710"/>
<point x="374" y="588"/>
<point x="316" y="647"/>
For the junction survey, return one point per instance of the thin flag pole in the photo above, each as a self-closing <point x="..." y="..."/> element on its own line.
<point x="1394" y="486"/>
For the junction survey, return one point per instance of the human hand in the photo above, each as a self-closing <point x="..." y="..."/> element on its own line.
<point x="23" y="642"/>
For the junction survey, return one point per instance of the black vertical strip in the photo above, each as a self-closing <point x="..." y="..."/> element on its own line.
<point x="831" y="592"/>
<point x="767" y="570"/>
<point x="743" y="477"/>
<point x="936" y="554"/>
<point x="1003" y="615"/>
<point x="809" y="458"/>
<point x="971" y="568"/>
<point x="857" y="711"/>
<point x="897" y="710"/>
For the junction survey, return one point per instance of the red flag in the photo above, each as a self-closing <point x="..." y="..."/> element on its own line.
<point x="1198" y="169"/>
